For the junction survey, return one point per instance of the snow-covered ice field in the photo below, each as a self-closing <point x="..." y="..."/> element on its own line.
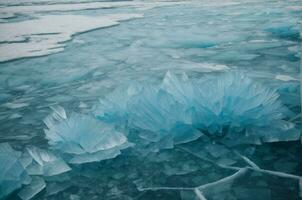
<point x="139" y="100"/>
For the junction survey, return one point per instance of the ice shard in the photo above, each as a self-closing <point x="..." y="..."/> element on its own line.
<point x="12" y="172"/>
<point x="82" y="138"/>
<point x="45" y="163"/>
<point x="230" y="104"/>
<point x="31" y="190"/>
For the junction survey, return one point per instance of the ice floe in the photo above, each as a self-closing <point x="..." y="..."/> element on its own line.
<point x="31" y="38"/>
<point x="30" y="9"/>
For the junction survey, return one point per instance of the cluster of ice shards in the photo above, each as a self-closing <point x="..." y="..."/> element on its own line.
<point x="229" y="106"/>
<point x="25" y="171"/>
<point x="12" y="173"/>
<point x="42" y="162"/>
<point x="82" y="138"/>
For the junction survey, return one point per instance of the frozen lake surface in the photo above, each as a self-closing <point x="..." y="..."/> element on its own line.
<point x="138" y="100"/>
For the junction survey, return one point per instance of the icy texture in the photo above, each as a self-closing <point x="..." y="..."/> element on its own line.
<point x="285" y="31"/>
<point x="82" y="139"/>
<point x="31" y="38"/>
<point x="219" y="105"/>
<point x="29" y="9"/>
<point x="12" y="173"/>
<point x="42" y="162"/>
<point x="29" y="191"/>
<point x="202" y="38"/>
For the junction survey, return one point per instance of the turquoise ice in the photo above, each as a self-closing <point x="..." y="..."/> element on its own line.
<point x="12" y="172"/>
<point x="81" y="138"/>
<point x="150" y="100"/>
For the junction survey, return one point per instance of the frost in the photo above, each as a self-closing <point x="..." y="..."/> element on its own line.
<point x="81" y="138"/>
<point x="12" y="173"/>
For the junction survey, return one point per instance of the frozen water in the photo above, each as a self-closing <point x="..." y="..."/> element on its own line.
<point x="31" y="9"/>
<point x="184" y="107"/>
<point x="29" y="191"/>
<point x="232" y="98"/>
<point x="31" y="38"/>
<point x="45" y="163"/>
<point x="81" y="138"/>
<point x="12" y="173"/>
<point x="285" y="78"/>
<point x="285" y="31"/>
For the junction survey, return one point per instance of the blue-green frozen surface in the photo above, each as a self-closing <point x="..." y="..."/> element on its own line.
<point x="139" y="100"/>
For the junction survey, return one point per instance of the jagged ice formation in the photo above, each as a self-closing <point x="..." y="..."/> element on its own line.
<point x="81" y="138"/>
<point x="229" y="106"/>
<point x="12" y="173"/>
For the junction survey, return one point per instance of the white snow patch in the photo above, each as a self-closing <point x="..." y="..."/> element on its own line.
<point x="204" y="67"/>
<point x="30" y="9"/>
<point x="285" y="78"/>
<point x="46" y="35"/>
<point x="213" y="66"/>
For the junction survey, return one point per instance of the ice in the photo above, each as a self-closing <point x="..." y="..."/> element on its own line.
<point x="36" y="186"/>
<point x="233" y="86"/>
<point x="54" y="188"/>
<point x="12" y="173"/>
<point x="59" y="112"/>
<point x="285" y="78"/>
<point x="30" y="38"/>
<point x="301" y="84"/>
<point x="45" y="163"/>
<point x="219" y="106"/>
<point x="4" y="15"/>
<point x="153" y="109"/>
<point x="300" y="187"/>
<point x="15" y="105"/>
<point x="81" y="138"/>
<point x="30" y="9"/>
<point x="285" y="31"/>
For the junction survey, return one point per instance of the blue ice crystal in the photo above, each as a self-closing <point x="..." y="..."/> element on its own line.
<point x="81" y="138"/>
<point x="43" y="162"/>
<point x="183" y="108"/>
<point x="12" y="172"/>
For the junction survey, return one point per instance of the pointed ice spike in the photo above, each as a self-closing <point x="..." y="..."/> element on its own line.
<point x="51" y="165"/>
<point x="59" y="111"/>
